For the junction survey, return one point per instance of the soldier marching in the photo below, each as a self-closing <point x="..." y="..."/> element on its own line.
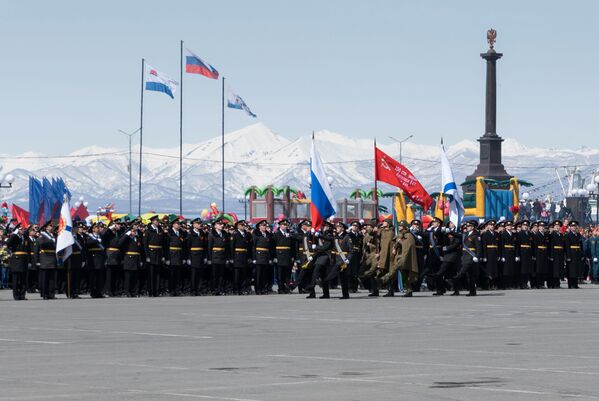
<point x="179" y="257"/>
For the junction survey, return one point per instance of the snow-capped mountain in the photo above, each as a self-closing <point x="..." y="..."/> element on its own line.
<point x="255" y="155"/>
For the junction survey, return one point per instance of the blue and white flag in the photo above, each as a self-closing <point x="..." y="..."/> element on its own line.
<point x="157" y="81"/>
<point x="235" y="101"/>
<point x="449" y="187"/>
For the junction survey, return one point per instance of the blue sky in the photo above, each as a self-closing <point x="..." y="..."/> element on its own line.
<point x="71" y="69"/>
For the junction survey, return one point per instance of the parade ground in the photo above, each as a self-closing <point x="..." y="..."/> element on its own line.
<point x="501" y="345"/>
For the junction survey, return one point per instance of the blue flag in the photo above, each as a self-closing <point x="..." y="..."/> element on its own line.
<point x="36" y="205"/>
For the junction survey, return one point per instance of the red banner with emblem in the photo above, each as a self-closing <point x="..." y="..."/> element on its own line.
<point x="392" y="172"/>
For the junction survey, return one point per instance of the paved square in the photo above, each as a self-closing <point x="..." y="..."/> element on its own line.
<point x="502" y="345"/>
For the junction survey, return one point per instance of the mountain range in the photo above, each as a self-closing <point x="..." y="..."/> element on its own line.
<point x="255" y="155"/>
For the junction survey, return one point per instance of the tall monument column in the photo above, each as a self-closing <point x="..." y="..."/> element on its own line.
<point x="490" y="165"/>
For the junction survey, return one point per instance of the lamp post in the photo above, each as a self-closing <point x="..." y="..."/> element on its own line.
<point x="593" y="189"/>
<point x="130" y="135"/>
<point x="6" y="180"/>
<point x="401" y="143"/>
<point x="245" y="206"/>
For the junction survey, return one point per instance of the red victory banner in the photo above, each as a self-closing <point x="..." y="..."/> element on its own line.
<point x="392" y="172"/>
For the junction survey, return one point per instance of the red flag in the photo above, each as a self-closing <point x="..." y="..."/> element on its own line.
<point x="80" y="213"/>
<point x="388" y="170"/>
<point x="20" y="214"/>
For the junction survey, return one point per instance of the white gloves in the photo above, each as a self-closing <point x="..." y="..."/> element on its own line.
<point x="275" y="260"/>
<point x="475" y="259"/>
<point x="503" y="259"/>
<point x="312" y="230"/>
<point x="441" y="258"/>
<point x="82" y="264"/>
<point x="484" y="259"/>
<point x="209" y="262"/>
<point x="517" y="258"/>
<point x="444" y="249"/>
<point x="313" y="246"/>
<point x="309" y="259"/>
<point x="205" y="260"/>
<point x="147" y="260"/>
<point x="595" y="260"/>
<point x="189" y="262"/>
<point x="254" y="261"/>
<point x="168" y="262"/>
<point x="163" y="259"/>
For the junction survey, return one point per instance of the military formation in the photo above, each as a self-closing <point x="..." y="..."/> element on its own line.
<point x="178" y="257"/>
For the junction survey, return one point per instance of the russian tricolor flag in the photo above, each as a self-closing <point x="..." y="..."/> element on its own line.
<point x="323" y="203"/>
<point x="195" y="65"/>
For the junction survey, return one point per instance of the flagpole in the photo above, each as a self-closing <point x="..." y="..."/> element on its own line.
<point x="141" y="131"/>
<point x="181" y="136"/>
<point x="376" y="195"/>
<point x="222" y="104"/>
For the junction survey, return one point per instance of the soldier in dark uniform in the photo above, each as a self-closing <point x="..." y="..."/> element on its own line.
<point x="322" y="247"/>
<point x="75" y="262"/>
<point x="110" y="239"/>
<point x="450" y="259"/>
<point x="33" y="269"/>
<point x="556" y="256"/>
<point x="433" y="237"/>
<point x="175" y="257"/>
<point x="154" y="241"/>
<point x="471" y="252"/>
<point x="490" y="256"/>
<point x="540" y="245"/>
<point x="47" y="261"/>
<point x="241" y="254"/>
<point x="305" y="258"/>
<point x="196" y="251"/>
<point x="574" y="254"/>
<point x="342" y="254"/>
<point x="262" y="255"/>
<point x="422" y="248"/>
<point x="218" y="249"/>
<point x="131" y="248"/>
<point x="284" y="255"/>
<point x="96" y="259"/>
<point x="355" y="237"/>
<point x="509" y="256"/>
<point x="525" y="242"/>
<point x="19" y="260"/>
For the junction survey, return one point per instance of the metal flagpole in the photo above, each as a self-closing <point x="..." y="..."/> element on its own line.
<point x="130" y="179"/>
<point x="181" y="136"/>
<point x="223" y="143"/>
<point x="141" y="130"/>
<point x="376" y="193"/>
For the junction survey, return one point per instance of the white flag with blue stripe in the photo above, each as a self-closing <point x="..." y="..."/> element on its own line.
<point x="234" y="101"/>
<point x="449" y="187"/>
<point x="159" y="82"/>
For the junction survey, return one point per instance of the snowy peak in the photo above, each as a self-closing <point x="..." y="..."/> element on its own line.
<point x="256" y="155"/>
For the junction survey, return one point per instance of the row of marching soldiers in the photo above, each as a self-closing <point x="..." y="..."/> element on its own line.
<point x="128" y="258"/>
<point x="489" y="256"/>
<point x="179" y="257"/>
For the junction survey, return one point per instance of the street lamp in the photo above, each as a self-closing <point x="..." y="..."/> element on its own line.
<point x="400" y="143"/>
<point x="130" y="135"/>
<point x="6" y="180"/>
<point x="245" y="206"/>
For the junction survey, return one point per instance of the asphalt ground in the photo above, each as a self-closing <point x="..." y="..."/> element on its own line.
<point x="501" y="345"/>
